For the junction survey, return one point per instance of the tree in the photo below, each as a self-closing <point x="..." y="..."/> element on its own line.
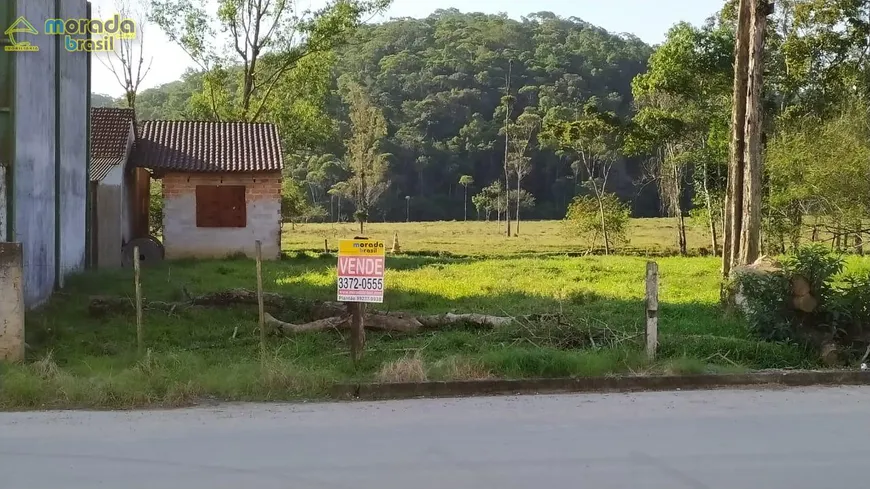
<point x="269" y="39"/>
<point x="465" y="181"/>
<point x="521" y="134"/>
<point x="295" y="207"/>
<point x="489" y="199"/>
<point x="508" y="104"/>
<point x="127" y="63"/>
<point x="743" y="198"/>
<point x="597" y="139"/>
<point x="683" y="102"/>
<point x="368" y="165"/>
<point x="584" y="218"/>
<point x="440" y="82"/>
<point x="340" y="189"/>
<point x="820" y="167"/>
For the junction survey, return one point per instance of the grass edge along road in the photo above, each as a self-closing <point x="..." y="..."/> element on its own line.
<point x="76" y="360"/>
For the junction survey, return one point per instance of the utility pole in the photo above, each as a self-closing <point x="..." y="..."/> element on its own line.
<point x="507" y="118"/>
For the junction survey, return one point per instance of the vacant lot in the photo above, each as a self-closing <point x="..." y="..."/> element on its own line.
<point x="76" y="359"/>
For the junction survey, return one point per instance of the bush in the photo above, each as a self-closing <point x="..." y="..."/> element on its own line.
<point x="840" y="314"/>
<point x="155" y="208"/>
<point x="584" y="219"/>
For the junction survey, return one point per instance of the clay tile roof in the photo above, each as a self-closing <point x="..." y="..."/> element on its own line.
<point x="201" y="146"/>
<point x="110" y="128"/>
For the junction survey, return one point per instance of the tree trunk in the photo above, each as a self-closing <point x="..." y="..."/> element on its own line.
<point x="796" y="230"/>
<point x="708" y="201"/>
<point x="507" y="182"/>
<point x="517" y="232"/>
<point x="465" y="203"/>
<point x="678" y="209"/>
<point x="734" y="192"/>
<point x="603" y="222"/>
<point x="750" y="233"/>
<point x="361" y="227"/>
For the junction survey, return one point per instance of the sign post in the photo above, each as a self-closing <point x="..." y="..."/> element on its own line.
<point x="360" y="281"/>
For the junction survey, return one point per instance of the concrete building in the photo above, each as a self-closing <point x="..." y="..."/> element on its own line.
<point x="44" y="111"/>
<point x="118" y="216"/>
<point x="221" y="185"/>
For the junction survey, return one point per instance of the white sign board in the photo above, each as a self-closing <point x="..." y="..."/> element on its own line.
<point x="361" y="270"/>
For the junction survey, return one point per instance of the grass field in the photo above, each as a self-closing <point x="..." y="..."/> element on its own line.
<point x="476" y="238"/>
<point x="75" y="360"/>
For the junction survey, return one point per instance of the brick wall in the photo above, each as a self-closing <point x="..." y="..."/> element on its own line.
<point x="183" y="239"/>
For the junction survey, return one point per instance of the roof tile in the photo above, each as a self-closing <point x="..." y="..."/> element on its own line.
<point x="110" y="128"/>
<point x="203" y="146"/>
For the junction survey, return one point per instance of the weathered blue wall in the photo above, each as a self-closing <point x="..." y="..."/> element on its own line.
<point x="37" y="202"/>
<point x="34" y="156"/>
<point x="73" y="138"/>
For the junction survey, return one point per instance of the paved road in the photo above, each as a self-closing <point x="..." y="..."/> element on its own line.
<point x="783" y="439"/>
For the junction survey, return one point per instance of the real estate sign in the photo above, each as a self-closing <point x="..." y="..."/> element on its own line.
<point x="361" y="270"/>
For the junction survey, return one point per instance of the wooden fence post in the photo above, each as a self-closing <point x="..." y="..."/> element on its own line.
<point x="652" y="308"/>
<point x="140" y="340"/>
<point x="326" y="245"/>
<point x="357" y="330"/>
<point x="260" y="305"/>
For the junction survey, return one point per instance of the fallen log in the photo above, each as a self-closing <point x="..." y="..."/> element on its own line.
<point x="238" y="296"/>
<point x="470" y="319"/>
<point x="274" y="325"/>
<point x="101" y="306"/>
<point x="391" y="321"/>
<point x="326" y="315"/>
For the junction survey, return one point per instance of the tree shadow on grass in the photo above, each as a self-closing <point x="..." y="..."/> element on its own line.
<point x="65" y="326"/>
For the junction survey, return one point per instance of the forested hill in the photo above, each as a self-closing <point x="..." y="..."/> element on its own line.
<point x="440" y="82"/>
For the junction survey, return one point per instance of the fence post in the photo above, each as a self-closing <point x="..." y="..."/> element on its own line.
<point x="260" y="305"/>
<point x="357" y="330"/>
<point x="11" y="302"/>
<point x="652" y="308"/>
<point x="140" y="335"/>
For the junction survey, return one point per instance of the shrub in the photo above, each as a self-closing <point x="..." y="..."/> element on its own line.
<point x="840" y="314"/>
<point x="584" y="219"/>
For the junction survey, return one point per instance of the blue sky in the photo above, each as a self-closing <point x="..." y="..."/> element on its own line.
<point x="648" y="19"/>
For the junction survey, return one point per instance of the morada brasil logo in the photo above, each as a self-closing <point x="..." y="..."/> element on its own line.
<point x="103" y="33"/>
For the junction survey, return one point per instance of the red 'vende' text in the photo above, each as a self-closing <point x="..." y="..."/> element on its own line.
<point x="361" y="266"/>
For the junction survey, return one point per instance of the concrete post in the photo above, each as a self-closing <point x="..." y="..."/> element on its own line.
<point x="11" y="303"/>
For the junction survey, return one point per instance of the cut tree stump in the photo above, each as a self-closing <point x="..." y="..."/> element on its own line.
<point x="802" y="299"/>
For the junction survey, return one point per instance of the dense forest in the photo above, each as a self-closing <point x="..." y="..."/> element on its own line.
<point x="465" y="115"/>
<point x="440" y="83"/>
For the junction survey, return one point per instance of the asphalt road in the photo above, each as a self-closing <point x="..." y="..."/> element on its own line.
<point x="782" y="439"/>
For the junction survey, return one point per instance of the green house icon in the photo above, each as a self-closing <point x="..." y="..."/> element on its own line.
<point x="20" y="26"/>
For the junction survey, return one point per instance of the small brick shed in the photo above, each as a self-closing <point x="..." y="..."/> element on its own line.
<point x="221" y="185"/>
